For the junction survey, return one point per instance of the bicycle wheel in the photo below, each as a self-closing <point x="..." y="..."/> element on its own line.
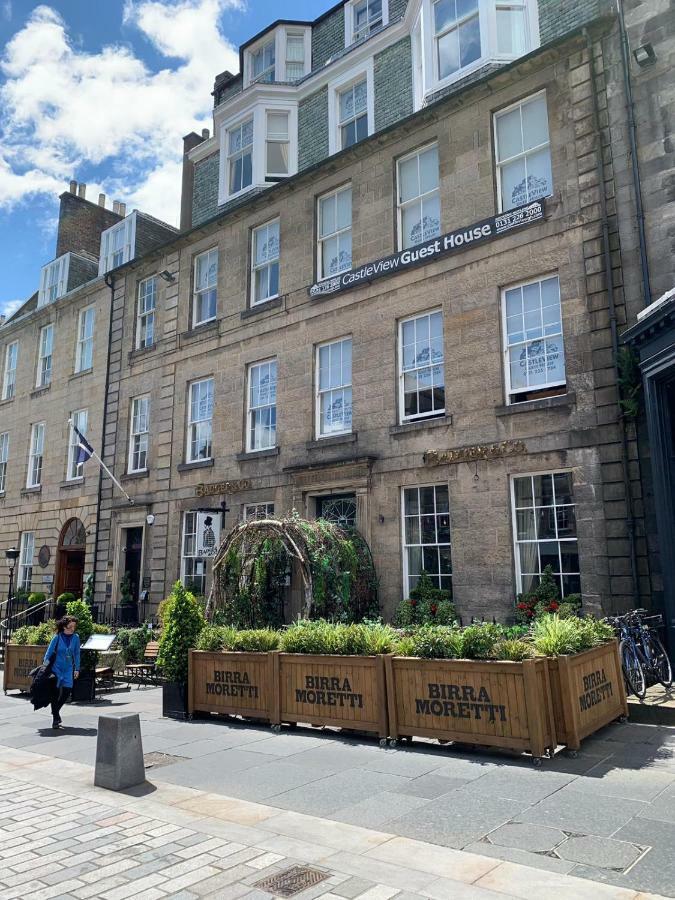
<point x="661" y="667"/>
<point x="633" y="672"/>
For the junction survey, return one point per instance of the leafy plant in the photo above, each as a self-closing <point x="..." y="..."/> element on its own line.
<point x="65" y="598"/>
<point x="132" y="643"/>
<point x="553" y="636"/>
<point x="216" y="637"/>
<point x="436" y="642"/>
<point x="34" y="634"/>
<point x="102" y="629"/>
<point x="543" y="598"/>
<point x="88" y="594"/>
<point x="183" y="622"/>
<point x="85" y="628"/>
<point x="36" y="597"/>
<point x="427" y="605"/>
<point x="478" y="641"/>
<point x="257" y="640"/>
<point x="310" y="636"/>
<point x="513" y="650"/>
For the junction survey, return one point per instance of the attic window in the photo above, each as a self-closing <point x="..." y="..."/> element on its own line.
<point x="118" y="244"/>
<point x="54" y="280"/>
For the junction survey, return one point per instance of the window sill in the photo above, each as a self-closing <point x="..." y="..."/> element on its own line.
<point x="71" y="484"/>
<point x="333" y="441"/>
<point x="562" y="401"/>
<point x="81" y="373"/>
<point x="26" y="492"/>
<point x="7" y="400"/>
<point x="139" y="352"/>
<point x="266" y="306"/>
<point x="257" y="454"/>
<point x="197" y="464"/>
<point x="421" y="425"/>
<point x="143" y="473"/>
<point x="41" y="390"/>
<point x="198" y="332"/>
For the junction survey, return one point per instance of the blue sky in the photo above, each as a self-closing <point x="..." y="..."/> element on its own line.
<point x="103" y="92"/>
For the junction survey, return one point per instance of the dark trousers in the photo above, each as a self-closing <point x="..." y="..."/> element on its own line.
<point x="60" y="696"/>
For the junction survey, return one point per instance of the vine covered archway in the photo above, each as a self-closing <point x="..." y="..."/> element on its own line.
<point x="252" y="573"/>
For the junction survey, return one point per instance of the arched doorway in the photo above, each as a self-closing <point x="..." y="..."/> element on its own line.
<point x="70" y="557"/>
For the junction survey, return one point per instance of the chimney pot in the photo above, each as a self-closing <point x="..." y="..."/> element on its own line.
<point x="123" y="209"/>
<point x="205" y="134"/>
<point x="82" y="190"/>
<point x="116" y="206"/>
<point x="101" y="200"/>
<point x="73" y="187"/>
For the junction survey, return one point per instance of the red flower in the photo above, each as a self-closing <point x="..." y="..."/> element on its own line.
<point x="523" y="606"/>
<point x="434" y="608"/>
<point x="553" y="605"/>
<point x="413" y="603"/>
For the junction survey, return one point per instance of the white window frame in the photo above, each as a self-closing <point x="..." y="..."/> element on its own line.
<point x="144" y="313"/>
<point x="36" y="451"/>
<point x="185" y="536"/>
<point x="320" y="239"/>
<point x="26" y="560"/>
<point x="194" y="426"/>
<point x="344" y="386"/>
<point x="54" y="280"/>
<point x="276" y="139"/>
<point x="349" y="21"/>
<point x="433" y="414"/>
<point x="80" y="419"/>
<point x="126" y="227"/>
<point x="558" y="540"/>
<point x="212" y="286"/>
<point x="405" y="545"/>
<point x="43" y="376"/>
<point x="85" y="343"/>
<point x="267" y="264"/>
<point x="9" y="370"/>
<point x="4" y="458"/>
<point x="306" y="35"/>
<point x="261" y="47"/>
<point x="510" y="390"/>
<point x="262" y="510"/>
<point x="336" y="87"/>
<point x="523" y="153"/>
<point x="245" y="150"/>
<point x="139" y="433"/>
<point x="420" y="197"/>
<point x="251" y="409"/>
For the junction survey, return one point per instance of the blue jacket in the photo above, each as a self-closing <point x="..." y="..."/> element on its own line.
<point x="67" y="659"/>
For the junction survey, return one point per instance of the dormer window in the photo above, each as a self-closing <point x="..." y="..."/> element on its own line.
<point x="456" y="35"/>
<point x="295" y="56"/>
<point x="54" y="280"/>
<point x="363" y="17"/>
<point x="240" y="157"/>
<point x="262" y="63"/>
<point x="118" y="244"/>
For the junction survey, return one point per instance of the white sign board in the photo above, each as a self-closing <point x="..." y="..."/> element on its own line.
<point x="208" y="534"/>
<point x="99" y="642"/>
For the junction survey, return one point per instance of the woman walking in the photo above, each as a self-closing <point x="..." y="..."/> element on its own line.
<point x="64" y="650"/>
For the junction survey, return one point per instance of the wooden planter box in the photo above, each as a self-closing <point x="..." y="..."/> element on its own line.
<point x="240" y="684"/>
<point x="498" y="704"/>
<point x="19" y="660"/>
<point x="342" y="691"/>
<point x="587" y="691"/>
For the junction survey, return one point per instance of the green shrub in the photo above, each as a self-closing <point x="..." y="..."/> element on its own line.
<point x="65" y="597"/>
<point x="553" y="636"/>
<point x="513" y="632"/>
<point x="427" y="605"/>
<point x="183" y="623"/>
<point x="436" y="642"/>
<point x="36" y="597"/>
<point x="405" y="645"/>
<point x="216" y="637"/>
<point x="478" y="641"/>
<point x="542" y="599"/>
<point x="85" y="629"/>
<point x="102" y="629"/>
<point x="309" y="636"/>
<point x="513" y="650"/>
<point x="593" y="632"/>
<point x="35" y="634"/>
<point x="132" y="643"/>
<point x="378" y="638"/>
<point x="256" y="640"/>
<point x="21" y="635"/>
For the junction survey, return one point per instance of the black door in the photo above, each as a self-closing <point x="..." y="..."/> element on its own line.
<point x="133" y="550"/>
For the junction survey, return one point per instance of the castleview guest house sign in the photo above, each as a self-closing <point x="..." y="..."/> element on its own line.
<point x="479" y="233"/>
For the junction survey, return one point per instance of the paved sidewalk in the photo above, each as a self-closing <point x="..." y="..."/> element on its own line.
<point x="309" y="797"/>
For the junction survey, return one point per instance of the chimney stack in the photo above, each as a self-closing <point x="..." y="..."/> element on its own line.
<point x="122" y="209"/>
<point x="116" y="207"/>
<point x="190" y="141"/>
<point x="82" y="191"/>
<point x="205" y="134"/>
<point x="101" y="200"/>
<point x="73" y="187"/>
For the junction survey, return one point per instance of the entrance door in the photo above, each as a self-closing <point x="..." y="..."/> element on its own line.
<point x="133" y="552"/>
<point x="70" y="559"/>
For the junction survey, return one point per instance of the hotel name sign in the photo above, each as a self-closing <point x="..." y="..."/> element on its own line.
<point x="428" y="251"/>
<point x="469" y="454"/>
<point x="222" y="487"/>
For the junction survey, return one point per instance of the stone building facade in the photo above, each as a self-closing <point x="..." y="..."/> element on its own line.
<point x="475" y="475"/>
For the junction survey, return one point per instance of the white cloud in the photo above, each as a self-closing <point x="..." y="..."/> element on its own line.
<point x="62" y="109"/>
<point x="10" y="306"/>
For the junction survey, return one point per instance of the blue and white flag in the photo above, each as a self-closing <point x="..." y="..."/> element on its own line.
<point x="84" y="448"/>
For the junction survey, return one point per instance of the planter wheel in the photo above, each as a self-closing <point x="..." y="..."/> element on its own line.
<point x="384" y="742"/>
<point x="571" y="754"/>
<point x="393" y="742"/>
<point x="537" y="761"/>
<point x="620" y="720"/>
<point x="276" y="729"/>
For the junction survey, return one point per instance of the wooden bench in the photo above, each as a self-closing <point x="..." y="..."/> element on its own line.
<point x="105" y="678"/>
<point x="144" y="671"/>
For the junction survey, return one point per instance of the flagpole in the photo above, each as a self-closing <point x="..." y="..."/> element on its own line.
<point x="98" y="459"/>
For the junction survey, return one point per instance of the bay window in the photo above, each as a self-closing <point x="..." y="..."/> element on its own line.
<point x="523" y="152"/>
<point x="240" y="157"/>
<point x="418" y="197"/>
<point x="512" y="28"/>
<point x="277" y="144"/>
<point x="335" y="232"/>
<point x="456" y="35"/>
<point x="265" y="263"/>
<point x="545" y="531"/>
<point x="200" y="416"/>
<point x="262" y="62"/>
<point x="426" y="536"/>
<point x="205" y="287"/>
<point x="295" y="56"/>
<point x="334" y="388"/>
<point x="421" y="369"/>
<point x="534" y="356"/>
<point x="262" y="406"/>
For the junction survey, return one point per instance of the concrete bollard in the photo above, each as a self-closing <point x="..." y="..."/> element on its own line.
<point x="119" y="752"/>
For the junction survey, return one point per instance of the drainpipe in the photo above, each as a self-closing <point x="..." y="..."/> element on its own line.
<point x="632" y="132"/>
<point x="110" y="282"/>
<point x="607" y="261"/>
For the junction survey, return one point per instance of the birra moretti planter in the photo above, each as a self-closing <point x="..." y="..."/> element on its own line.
<point x="498" y="704"/>
<point x="240" y="684"/>
<point x="20" y="660"/>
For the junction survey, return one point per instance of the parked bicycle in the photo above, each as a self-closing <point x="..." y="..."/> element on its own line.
<point x="643" y="657"/>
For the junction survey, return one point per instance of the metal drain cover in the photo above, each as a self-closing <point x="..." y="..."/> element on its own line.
<point x="291" y="881"/>
<point x="156" y="760"/>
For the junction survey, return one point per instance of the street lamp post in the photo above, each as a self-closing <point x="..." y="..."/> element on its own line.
<point x="11" y="556"/>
